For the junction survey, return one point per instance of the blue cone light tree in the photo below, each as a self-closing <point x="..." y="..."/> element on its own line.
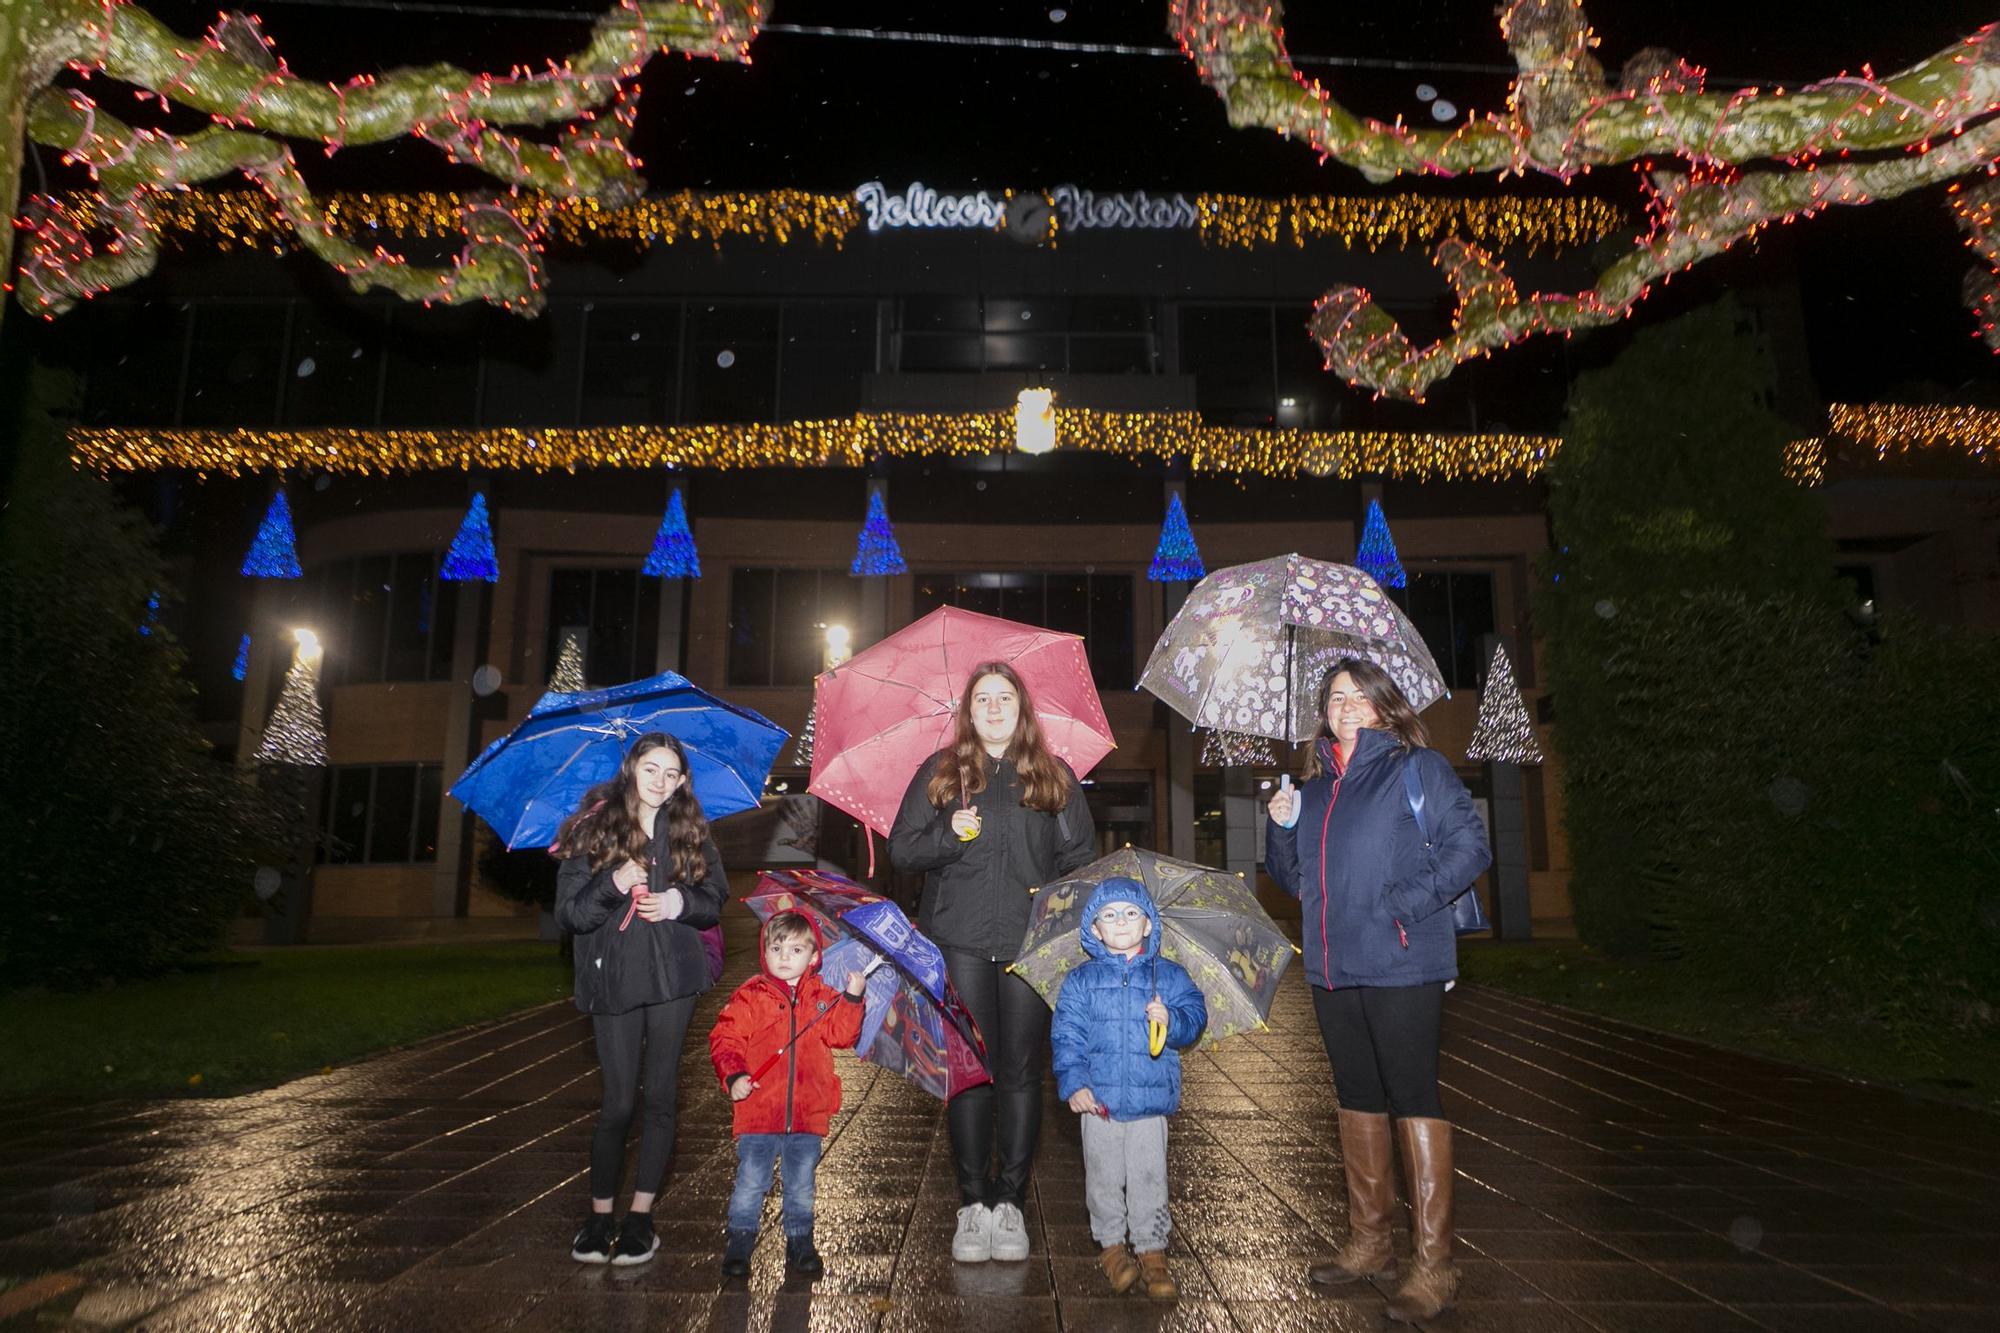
<point x="876" y="552"/>
<point x="471" y="556"/>
<point x="1176" y="559"/>
<point x="673" y="555"/>
<point x="1377" y="556"/>
<point x="274" y="553"/>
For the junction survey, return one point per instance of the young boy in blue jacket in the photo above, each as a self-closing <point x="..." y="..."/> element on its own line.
<point x="1107" y="1071"/>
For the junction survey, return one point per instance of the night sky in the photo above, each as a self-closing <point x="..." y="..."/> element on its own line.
<point x="1880" y="285"/>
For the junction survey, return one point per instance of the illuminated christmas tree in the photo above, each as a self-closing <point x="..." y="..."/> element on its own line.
<point x="567" y="678"/>
<point x="77" y="245"/>
<point x="1502" y="733"/>
<point x="673" y="555"/>
<point x="876" y="551"/>
<point x="1176" y="559"/>
<point x="296" y="731"/>
<point x="1236" y="749"/>
<point x="471" y="555"/>
<point x="802" y="748"/>
<point x="274" y="553"/>
<point x="1377" y="556"/>
<point x="1717" y="167"/>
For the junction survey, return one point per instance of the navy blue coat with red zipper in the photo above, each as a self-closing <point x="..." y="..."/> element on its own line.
<point x="1373" y="897"/>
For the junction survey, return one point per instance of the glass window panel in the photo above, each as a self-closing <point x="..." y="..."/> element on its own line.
<point x="1310" y="396"/>
<point x="368" y="617"/>
<point x="1110" y="641"/>
<point x="984" y="599"/>
<point x="430" y="790"/>
<point x="1471" y="622"/>
<point x="839" y="598"/>
<point x="1069" y="604"/>
<point x="612" y="626"/>
<point x="1025" y="352"/>
<point x="132" y="352"/>
<point x="1228" y="351"/>
<point x="645" y="631"/>
<point x="930" y="592"/>
<point x="410" y="606"/>
<point x="346" y="823"/>
<point x="1040" y="314"/>
<point x="233" y="368"/>
<point x="440" y="607"/>
<point x="335" y="371"/>
<point x="940" y="314"/>
<point x="1110" y="314"/>
<point x="1021" y="598"/>
<point x="432" y="378"/>
<point x="531" y="368"/>
<point x="800" y="638"/>
<point x="569" y="608"/>
<point x="394" y="813"/>
<point x="935" y="353"/>
<point x="752" y="597"/>
<point x="1104" y="354"/>
<point x="631" y="358"/>
<point x="732" y="363"/>
<point x="829" y="347"/>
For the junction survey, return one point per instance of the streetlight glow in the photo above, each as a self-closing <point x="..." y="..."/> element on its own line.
<point x="1035" y="421"/>
<point x="837" y="645"/>
<point x="309" y="649"/>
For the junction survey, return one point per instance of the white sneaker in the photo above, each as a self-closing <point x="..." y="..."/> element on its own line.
<point x="1010" y="1234"/>
<point x="974" y="1242"/>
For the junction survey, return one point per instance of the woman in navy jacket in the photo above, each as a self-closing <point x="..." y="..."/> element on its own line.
<point x="1375" y="900"/>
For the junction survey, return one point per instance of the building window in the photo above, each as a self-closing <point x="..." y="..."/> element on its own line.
<point x="1230" y="351"/>
<point x="829" y="347"/>
<point x="1097" y="606"/>
<point x="1096" y="335"/>
<point x="631" y="363"/>
<point x="381" y="814"/>
<point x="383" y="618"/>
<point x="732" y="362"/>
<point x="336" y="364"/>
<point x="616" y="614"/>
<point x="1453" y="610"/>
<point x="234" y="367"/>
<point x="778" y="620"/>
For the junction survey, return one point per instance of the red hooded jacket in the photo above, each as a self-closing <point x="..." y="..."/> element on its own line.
<point x="800" y="1092"/>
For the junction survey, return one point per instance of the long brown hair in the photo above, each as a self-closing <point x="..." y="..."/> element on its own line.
<point x="1398" y="718"/>
<point x="960" y="773"/>
<point x="606" y="825"/>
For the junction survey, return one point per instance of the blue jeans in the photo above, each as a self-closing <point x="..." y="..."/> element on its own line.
<point x="754" y="1155"/>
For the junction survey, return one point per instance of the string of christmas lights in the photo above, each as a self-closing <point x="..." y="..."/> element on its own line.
<point x="1891" y="430"/>
<point x="230" y="220"/>
<point x="841" y="442"/>
<point x="1718" y="168"/>
<point x="255" y="103"/>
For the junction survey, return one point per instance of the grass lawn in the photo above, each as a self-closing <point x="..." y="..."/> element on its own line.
<point x="1962" y="1066"/>
<point x="252" y="1018"/>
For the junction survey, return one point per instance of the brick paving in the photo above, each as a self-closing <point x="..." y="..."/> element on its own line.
<point x="1609" y="1179"/>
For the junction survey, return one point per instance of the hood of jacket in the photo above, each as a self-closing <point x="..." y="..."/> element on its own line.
<point x="1120" y="890"/>
<point x="819" y="948"/>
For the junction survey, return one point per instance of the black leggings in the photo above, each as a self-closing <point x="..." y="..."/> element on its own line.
<point x="1383" y="1044"/>
<point x="658" y="1030"/>
<point x="1015" y="1023"/>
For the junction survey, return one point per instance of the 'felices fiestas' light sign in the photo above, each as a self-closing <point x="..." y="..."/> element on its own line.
<point x="1026" y="216"/>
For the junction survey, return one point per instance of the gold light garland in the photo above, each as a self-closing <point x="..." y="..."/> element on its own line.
<point x="1893" y="429"/>
<point x="840" y="442"/>
<point x="247" y="220"/>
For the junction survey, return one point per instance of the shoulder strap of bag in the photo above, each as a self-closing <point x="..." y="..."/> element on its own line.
<point x="1413" y="791"/>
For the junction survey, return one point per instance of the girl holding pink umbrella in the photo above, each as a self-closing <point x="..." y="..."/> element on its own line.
<point x="985" y="819"/>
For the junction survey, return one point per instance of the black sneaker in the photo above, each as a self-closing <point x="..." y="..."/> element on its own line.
<point x="736" y="1258"/>
<point x="636" y="1241"/>
<point x="593" y="1244"/>
<point x="801" y="1256"/>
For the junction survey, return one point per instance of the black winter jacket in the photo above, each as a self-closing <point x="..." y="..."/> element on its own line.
<point x="648" y="961"/>
<point x="976" y="893"/>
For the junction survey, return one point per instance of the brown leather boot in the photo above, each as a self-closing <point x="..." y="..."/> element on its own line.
<point x="1371" y="1195"/>
<point x="1119" y="1266"/>
<point x="1160" y="1284"/>
<point x="1432" y="1280"/>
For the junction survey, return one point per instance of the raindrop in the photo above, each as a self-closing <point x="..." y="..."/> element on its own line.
<point x="1426" y="93"/>
<point x="632" y="337"/>
<point x="725" y="358"/>
<point x="486" y="680"/>
<point x="1789" y="795"/>
<point x="1747" y="1233"/>
<point x="322" y="481"/>
<point x="267" y="882"/>
<point x="1443" y="110"/>
<point x="307" y="367"/>
<point x="1058" y="15"/>
<point x="354" y="355"/>
<point x="1606" y="608"/>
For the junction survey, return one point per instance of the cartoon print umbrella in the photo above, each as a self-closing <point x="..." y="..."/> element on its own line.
<point x="527" y="782"/>
<point x="880" y="714"/>
<point x="915" y="1024"/>
<point x="1247" y="650"/>
<point x="1210" y="923"/>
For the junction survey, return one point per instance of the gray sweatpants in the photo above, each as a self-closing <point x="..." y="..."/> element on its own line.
<point x="1125" y="1180"/>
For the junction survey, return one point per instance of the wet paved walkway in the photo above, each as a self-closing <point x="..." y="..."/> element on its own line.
<point x="1609" y="1179"/>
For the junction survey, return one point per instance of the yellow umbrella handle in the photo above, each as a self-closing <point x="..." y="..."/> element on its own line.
<point x="1156" y="1037"/>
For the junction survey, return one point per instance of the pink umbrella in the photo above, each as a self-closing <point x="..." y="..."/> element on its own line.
<point x="883" y="712"/>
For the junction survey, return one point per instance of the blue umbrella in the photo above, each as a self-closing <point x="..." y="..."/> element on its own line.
<point x="530" y="780"/>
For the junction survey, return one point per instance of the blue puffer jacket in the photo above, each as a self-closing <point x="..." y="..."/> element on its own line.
<point x="1372" y="895"/>
<point x="1099" y="1034"/>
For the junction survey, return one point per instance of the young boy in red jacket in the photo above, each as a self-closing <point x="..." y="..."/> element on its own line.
<point x="773" y="1050"/>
